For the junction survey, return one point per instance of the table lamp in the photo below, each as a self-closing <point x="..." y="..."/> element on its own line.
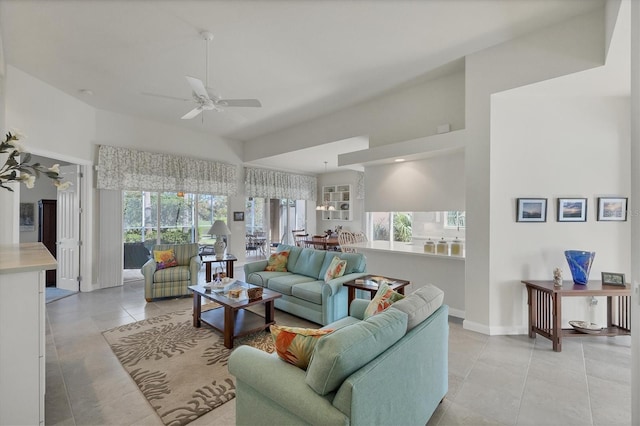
<point x="219" y="228"/>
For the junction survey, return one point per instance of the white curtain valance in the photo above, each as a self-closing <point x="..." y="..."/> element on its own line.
<point x="360" y="186"/>
<point x="127" y="169"/>
<point x="274" y="184"/>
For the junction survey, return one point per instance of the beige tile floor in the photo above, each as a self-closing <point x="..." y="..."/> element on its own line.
<point x="493" y="380"/>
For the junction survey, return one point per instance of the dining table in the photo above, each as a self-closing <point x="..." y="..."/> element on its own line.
<point x="327" y="243"/>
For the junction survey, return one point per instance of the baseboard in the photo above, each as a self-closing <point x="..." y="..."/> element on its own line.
<point x="494" y="331"/>
<point x="456" y="313"/>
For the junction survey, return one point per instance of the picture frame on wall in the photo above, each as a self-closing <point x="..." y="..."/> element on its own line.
<point x="612" y="209"/>
<point x="238" y="216"/>
<point x="613" y="278"/>
<point x="572" y="209"/>
<point x="27" y="217"/>
<point x="531" y="210"/>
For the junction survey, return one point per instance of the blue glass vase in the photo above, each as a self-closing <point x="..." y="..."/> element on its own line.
<point x="580" y="264"/>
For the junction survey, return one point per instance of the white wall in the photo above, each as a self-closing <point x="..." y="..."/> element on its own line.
<point x="574" y="147"/>
<point x="401" y="115"/>
<point x="432" y="184"/>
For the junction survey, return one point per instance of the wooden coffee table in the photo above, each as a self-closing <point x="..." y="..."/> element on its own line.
<point x="232" y="319"/>
<point x="370" y="284"/>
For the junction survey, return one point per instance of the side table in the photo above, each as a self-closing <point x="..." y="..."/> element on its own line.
<point x="545" y="309"/>
<point x="228" y="260"/>
<point x="370" y="283"/>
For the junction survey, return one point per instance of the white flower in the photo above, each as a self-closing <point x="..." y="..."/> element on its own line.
<point x="17" y="134"/>
<point x="55" y="168"/>
<point x="17" y="146"/>
<point x="29" y="180"/>
<point x="62" y="185"/>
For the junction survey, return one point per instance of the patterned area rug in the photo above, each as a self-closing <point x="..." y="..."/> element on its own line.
<point x="180" y="369"/>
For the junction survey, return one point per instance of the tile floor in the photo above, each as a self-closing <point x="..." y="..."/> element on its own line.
<point x="493" y="380"/>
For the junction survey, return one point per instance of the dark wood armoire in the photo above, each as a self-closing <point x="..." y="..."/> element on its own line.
<point x="47" y="233"/>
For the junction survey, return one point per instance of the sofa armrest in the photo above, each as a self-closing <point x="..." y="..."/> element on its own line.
<point x="252" y="267"/>
<point x="195" y="264"/>
<point x="336" y="283"/>
<point x="357" y="308"/>
<point x="283" y="384"/>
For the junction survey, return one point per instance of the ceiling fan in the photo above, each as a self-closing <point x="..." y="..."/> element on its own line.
<point x="203" y="95"/>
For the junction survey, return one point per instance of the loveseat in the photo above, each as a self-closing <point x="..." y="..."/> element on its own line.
<point x="304" y="291"/>
<point x="390" y="369"/>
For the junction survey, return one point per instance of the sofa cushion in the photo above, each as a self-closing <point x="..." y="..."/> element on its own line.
<point x="284" y="283"/>
<point x="384" y="298"/>
<point x="310" y="291"/>
<point x="177" y="273"/>
<point x="420" y="304"/>
<point x="295" y="345"/>
<point x="262" y="278"/>
<point x="355" y="263"/>
<point x="165" y="258"/>
<point x="343" y="352"/>
<point x="277" y="262"/>
<point x="309" y="262"/>
<point x="336" y="268"/>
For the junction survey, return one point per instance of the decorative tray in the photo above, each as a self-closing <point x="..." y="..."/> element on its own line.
<point x="586" y="327"/>
<point x="219" y="286"/>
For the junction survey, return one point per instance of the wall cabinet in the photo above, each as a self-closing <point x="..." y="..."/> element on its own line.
<point x="337" y="201"/>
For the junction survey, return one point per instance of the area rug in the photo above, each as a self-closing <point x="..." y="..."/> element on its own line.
<point x="181" y="370"/>
<point x="54" y="293"/>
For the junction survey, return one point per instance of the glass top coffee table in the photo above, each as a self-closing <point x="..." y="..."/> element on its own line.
<point x="232" y="319"/>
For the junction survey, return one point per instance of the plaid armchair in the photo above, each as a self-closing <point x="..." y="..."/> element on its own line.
<point x="172" y="281"/>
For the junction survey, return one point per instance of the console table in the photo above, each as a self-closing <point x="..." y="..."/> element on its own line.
<point x="228" y="260"/>
<point x="545" y="309"/>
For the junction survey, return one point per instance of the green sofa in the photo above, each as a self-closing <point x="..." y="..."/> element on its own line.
<point x="304" y="291"/>
<point x="390" y="369"/>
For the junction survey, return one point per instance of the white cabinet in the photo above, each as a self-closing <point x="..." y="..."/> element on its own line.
<point x="337" y="202"/>
<point x="22" y="333"/>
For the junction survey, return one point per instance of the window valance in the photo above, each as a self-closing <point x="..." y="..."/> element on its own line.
<point x="275" y="184"/>
<point x="127" y="169"/>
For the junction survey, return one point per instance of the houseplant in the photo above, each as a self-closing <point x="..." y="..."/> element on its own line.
<point x="17" y="167"/>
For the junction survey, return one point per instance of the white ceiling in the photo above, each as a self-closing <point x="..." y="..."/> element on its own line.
<point x="302" y="59"/>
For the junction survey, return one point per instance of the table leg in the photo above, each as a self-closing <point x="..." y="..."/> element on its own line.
<point x="269" y="313"/>
<point x="532" y="312"/>
<point x="556" y="333"/>
<point x="609" y="310"/>
<point x="197" y="309"/>
<point x="229" y="327"/>
<point x="207" y="272"/>
<point x="351" y="296"/>
<point x="400" y="290"/>
<point x="229" y="266"/>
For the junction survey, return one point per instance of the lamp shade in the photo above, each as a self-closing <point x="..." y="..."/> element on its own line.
<point x="219" y="228"/>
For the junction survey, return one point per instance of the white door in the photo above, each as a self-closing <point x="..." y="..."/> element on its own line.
<point x="68" y="230"/>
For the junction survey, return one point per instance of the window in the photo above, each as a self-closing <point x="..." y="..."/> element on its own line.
<point x="383" y="222"/>
<point x="179" y="217"/>
<point x="455" y="219"/>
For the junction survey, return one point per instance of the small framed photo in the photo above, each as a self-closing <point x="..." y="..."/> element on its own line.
<point x="612" y="209"/>
<point x="531" y="210"/>
<point x="572" y="209"/>
<point x="613" y="278"/>
<point x="27" y="217"/>
<point x="238" y="216"/>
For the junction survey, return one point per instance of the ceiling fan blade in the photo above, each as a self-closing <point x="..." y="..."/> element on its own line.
<point x="239" y="102"/>
<point x="194" y="112"/>
<point x="165" y="96"/>
<point x="198" y="87"/>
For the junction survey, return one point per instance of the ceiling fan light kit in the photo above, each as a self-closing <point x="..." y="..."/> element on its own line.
<point x="203" y="95"/>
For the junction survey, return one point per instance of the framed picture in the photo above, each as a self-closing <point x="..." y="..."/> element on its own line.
<point x="238" y="216"/>
<point x="612" y="209"/>
<point x="572" y="209"/>
<point x="613" y="278"/>
<point x="27" y="217"/>
<point x="531" y="210"/>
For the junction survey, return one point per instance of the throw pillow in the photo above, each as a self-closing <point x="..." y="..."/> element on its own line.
<point x="420" y="304"/>
<point x="165" y="258"/>
<point x="336" y="269"/>
<point x="278" y="262"/>
<point x="382" y="300"/>
<point x="295" y="345"/>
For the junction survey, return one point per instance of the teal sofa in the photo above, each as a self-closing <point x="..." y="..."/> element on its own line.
<point x="304" y="291"/>
<point x="390" y="369"/>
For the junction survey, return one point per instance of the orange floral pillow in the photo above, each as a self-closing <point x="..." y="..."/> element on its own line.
<point x="295" y="345"/>
<point x="336" y="269"/>
<point x="384" y="298"/>
<point x="165" y="258"/>
<point x="278" y="261"/>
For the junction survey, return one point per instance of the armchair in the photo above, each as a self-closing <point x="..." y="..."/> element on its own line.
<point x="172" y="281"/>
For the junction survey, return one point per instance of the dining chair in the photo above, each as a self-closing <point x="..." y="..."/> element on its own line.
<point x="319" y="242"/>
<point x="345" y="238"/>
<point x="299" y="237"/>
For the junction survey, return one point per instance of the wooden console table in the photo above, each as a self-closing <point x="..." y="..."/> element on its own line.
<point x="545" y="309"/>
